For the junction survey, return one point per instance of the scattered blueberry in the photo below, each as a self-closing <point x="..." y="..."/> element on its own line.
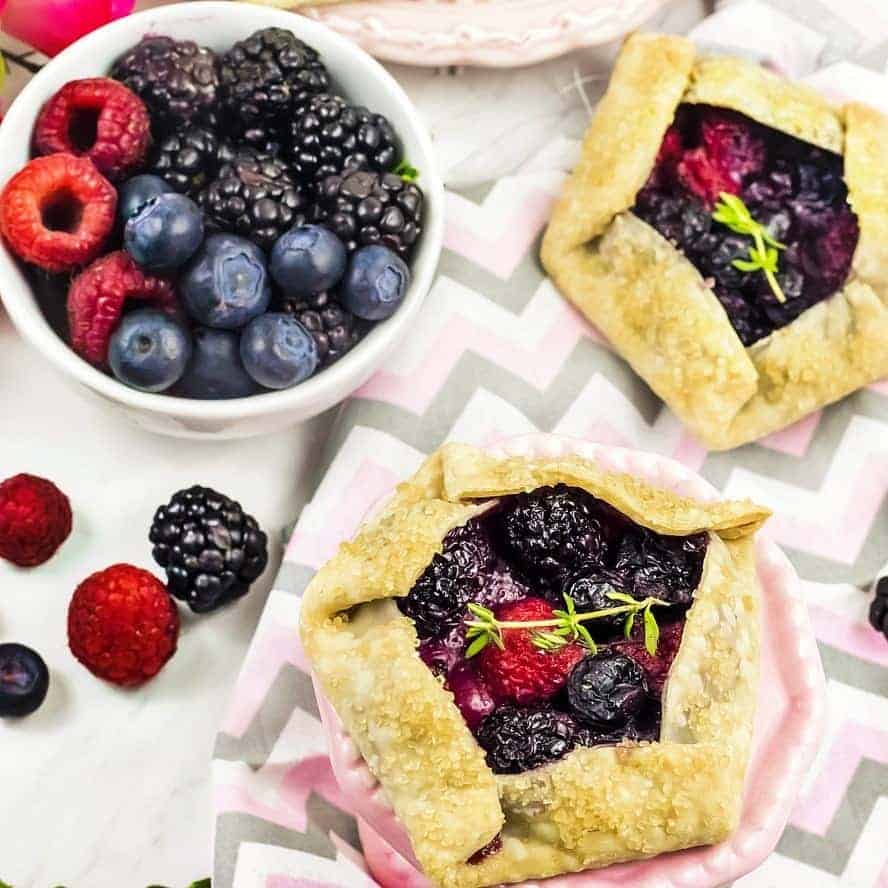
<point x="149" y="350"/>
<point x="607" y="690"/>
<point x="226" y="284"/>
<point x="277" y="351"/>
<point x="215" y="371"/>
<point x="165" y="233"/>
<point x="307" y="259"/>
<point x="375" y="283"/>
<point x="136" y="192"/>
<point x="24" y="680"/>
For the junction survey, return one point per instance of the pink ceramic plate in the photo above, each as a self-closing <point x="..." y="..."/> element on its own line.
<point x="497" y="33"/>
<point x="787" y="730"/>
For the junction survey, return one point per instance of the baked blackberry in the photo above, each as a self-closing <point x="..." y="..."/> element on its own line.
<point x="253" y="196"/>
<point x="329" y="136"/>
<point x="264" y="77"/>
<point x="550" y="531"/>
<point x="210" y="549"/>
<point x="517" y="739"/>
<point x="438" y="599"/>
<point x="333" y="328"/>
<point x="665" y="567"/>
<point x="878" y="613"/>
<point x="363" y="208"/>
<point x="187" y="160"/>
<point x="177" y="79"/>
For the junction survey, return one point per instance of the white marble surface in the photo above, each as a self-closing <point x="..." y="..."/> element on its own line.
<point x="104" y="788"/>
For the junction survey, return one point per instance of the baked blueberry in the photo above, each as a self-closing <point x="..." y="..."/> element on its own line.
<point x="215" y="371"/>
<point x="307" y="259"/>
<point x="24" y="680"/>
<point x="136" y="192"/>
<point x="149" y="350"/>
<point x="607" y="691"/>
<point x="226" y="284"/>
<point x="164" y="233"/>
<point x="277" y="351"/>
<point x="375" y="283"/>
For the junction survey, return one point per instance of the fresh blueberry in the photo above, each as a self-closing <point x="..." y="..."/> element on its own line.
<point x="375" y="283"/>
<point x="226" y="284"/>
<point x="215" y="371"/>
<point x="136" y="192"/>
<point x="278" y="351"/>
<point x="24" y="680"/>
<point x="307" y="259"/>
<point x="165" y="232"/>
<point x="149" y="350"/>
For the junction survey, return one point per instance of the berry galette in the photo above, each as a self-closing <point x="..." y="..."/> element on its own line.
<point x="728" y="232"/>
<point x="549" y="668"/>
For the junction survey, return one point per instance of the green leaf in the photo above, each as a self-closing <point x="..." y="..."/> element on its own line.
<point x="586" y="639"/>
<point x="478" y="645"/>
<point x="406" y="172"/>
<point x="621" y="596"/>
<point x="2" y="81"/>
<point x="627" y="626"/>
<point x="745" y="265"/>
<point x="2" y="883"/>
<point x="548" y="641"/>
<point x="201" y="883"/>
<point x="480" y="611"/>
<point x="651" y="632"/>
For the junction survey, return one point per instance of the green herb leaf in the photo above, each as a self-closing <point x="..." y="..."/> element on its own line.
<point x="202" y="883"/>
<point x="630" y="622"/>
<point x="406" y="172"/>
<point x="548" y="641"/>
<point x="586" y="639"/>
<point x="478" y="645"/>
<point x="651" y="632"/>
<point x="745" y="265"/>
<point x="621" y="596"/>
<point x="480" y="611"/>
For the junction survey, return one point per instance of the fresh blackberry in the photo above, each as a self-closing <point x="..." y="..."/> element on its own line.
<point x="334" y="328"/>
<point x="364" y="208"/>
<point x="177" y="79"/>
<point x="264" y="77"/>
<point x="551" y="530"/>
<point x="438" y="599"/>
<point x="329" y="136"/>
<point x="878" y="613"/>
<point x="517" y="739"/>
<point x="210" y="549"/>
<point x="254" y="197"/>
<point x="187" y="160"/>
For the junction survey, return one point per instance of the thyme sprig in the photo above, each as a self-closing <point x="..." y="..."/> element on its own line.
<point x="763" y="256"/>
<point x="407" y="172"/>
<point x="565" y="626"/>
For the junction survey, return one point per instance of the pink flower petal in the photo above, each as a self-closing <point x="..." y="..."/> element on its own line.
<point x="51" y="25"/>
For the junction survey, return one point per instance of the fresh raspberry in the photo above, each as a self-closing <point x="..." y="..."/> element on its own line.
<point x="523" y="673"/>
<point x="122" y="624"/>
<point x="97" y="118"/>
<point x="656" y="666"/>
<point x="57" y="211"/>
<point x="97" y="296"/>
<point x="35" y="519"/>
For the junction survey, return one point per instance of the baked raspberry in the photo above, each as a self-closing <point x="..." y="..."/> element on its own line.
<point x="97" y="118"/>
<point x="656" y="666"/>
<point x="57" y="211"/>
<point x="732" y="145"/>
<point x="97" y="296"/>
<point x="704" y="177"/>
<point x="521" y="672"/>
<point x="35" y="519"/>
<point x="122" y="624"/>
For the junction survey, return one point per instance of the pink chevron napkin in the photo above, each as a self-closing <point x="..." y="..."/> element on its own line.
<point x="496" y="353"/>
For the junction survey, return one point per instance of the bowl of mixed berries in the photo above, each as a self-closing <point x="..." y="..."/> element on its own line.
<point x="221" y="219"/>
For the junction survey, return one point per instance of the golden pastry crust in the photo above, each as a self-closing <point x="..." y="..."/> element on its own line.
<point x="596" y="806"/>
<point x="654" y="306"/>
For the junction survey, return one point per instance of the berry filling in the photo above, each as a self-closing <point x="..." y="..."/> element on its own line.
<point x="794" y="193"/>
<point x="554" y="619"/>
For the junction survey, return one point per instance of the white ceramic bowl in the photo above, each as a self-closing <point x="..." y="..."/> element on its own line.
<point x="218" y="25"/>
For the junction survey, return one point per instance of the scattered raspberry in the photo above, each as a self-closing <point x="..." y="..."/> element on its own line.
<point x="35" y="519"/>
<point x="702" y="176"/>
<point x="671" y="150"/>
<point x="97" y="296"/>
<point x="57" y="211"/>
<point x="834" y="250"/>
<point x="97" y="118"/>
<point x="522" y="673"/>
<point x="656" y="667"/>
<point x="731" y="145"/>
<point x="122" y="624"/>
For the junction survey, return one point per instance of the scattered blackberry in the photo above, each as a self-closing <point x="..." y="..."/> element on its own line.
<point x="187" y="160"/>
<point x="878" y="613"/>
<point x="517" y="740"/>
<point x="364" y="208"/>
<point x="438" y="599"/>
<point x="334" y="328"/>
<point x="666" y="567"/>
<point x="177" y="79"/>
<point x="211" y="551"/>
<point x="329" y="136"/>
<point x="254" y="197"/>
<point x="551" y="530"/>
<point x="263" y="77"/>
<point x="589" y="586"/>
